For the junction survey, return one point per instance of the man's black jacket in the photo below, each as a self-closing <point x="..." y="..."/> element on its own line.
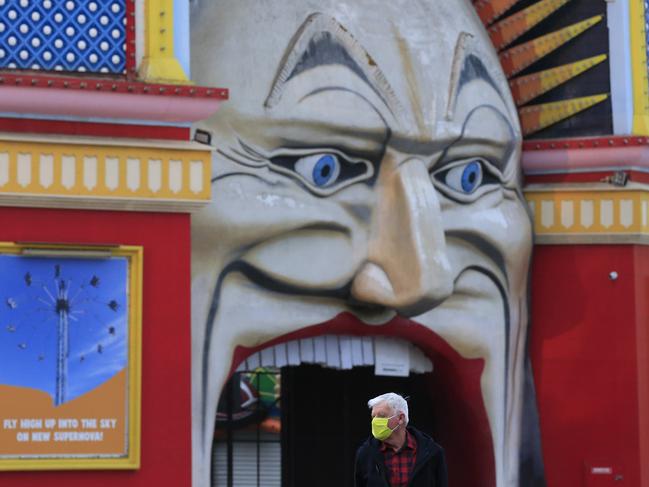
<point x="429" y="470"/>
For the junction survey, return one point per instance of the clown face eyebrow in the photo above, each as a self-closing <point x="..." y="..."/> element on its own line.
<point x="467" y="67"/>
<point x="474" y="68"/>
<point x="322" y="41"/>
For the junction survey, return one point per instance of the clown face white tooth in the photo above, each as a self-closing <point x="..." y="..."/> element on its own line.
<point x="332" y="191"/>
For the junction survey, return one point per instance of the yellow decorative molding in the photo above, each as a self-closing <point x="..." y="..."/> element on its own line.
<point x="526" y="88"/>
<point x="160" y="64"/>
<point x="97" y="174"/>
<point x="591" y="214"/>
<point x="638" y="46"/>
<point x="537" y="117"/>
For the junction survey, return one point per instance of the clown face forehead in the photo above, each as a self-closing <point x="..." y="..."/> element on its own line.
<point x="414" y="72"/>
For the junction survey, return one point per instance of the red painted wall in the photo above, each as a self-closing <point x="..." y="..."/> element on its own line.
<point x="589" y="353"/>
<point x="589" y="345"/>
<point x="641" y="268"/>
<point x="166" y="390"/>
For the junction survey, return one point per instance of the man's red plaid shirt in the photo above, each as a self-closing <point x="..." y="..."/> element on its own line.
<point x="400" y="463"/>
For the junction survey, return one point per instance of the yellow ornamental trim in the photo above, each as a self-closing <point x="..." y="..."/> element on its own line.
<point x="511" y="28"/>
<point x="526" y="88"/>
<point x="160" y="64"/>
<point x="517" y="58"/>
<point x="638" y="43"/>
<point x="96" y="174"/>
<point x="594" y="213"/>
<point x="537" y="117"/>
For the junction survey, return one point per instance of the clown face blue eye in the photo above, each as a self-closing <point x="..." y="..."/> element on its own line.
<point x="465" y="178"/>
<point x="321" y="170"/>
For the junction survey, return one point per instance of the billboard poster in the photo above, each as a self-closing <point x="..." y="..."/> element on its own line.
<point x="69" y="357"/>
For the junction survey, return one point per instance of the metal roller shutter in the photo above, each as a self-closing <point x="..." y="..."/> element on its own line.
<point x="244" y="462"/>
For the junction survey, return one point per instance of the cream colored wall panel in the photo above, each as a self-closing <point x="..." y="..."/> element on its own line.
<point x="606" y="213"/>
<point x="90" y="172"/>
<point x="567" y="214"/>
<point x="196" y="176"/>
<point x="626" y="213"/>
<point x="587" y="213"/>
<point x="112" y="173"/>
<point x="175" y="176"/>
<point x="68" y="171"/>
<point x="46" y="170"/>
<point x="155" y="175"/>
<point x="133" y="174"/>
<point x="4" y="168"/>
<point x="24" y="164"/>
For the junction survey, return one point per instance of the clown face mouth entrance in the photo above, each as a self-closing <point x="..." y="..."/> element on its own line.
<point x="301" y="407"/>
<point x="366" y="181"/>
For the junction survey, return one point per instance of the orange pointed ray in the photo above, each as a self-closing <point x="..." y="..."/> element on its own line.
<point x="490" y="10"/>
<point x="526" y="88"/>
<point x="517" y="58"/>
<point x="537" y="117"/>
<point x="511" y="28"/>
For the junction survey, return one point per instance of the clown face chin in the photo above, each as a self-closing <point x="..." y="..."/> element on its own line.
<point x="366" y="183"/>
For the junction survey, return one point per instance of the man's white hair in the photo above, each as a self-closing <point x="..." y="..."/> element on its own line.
<point x="397" y="403"/>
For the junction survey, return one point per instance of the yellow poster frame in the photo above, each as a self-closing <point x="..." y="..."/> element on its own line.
<point x="131" y="461"/>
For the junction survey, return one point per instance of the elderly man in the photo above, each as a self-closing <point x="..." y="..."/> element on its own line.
<point x="397" y="454"/>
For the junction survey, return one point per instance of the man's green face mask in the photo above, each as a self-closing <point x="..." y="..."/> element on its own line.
<point x="380" y="429"/>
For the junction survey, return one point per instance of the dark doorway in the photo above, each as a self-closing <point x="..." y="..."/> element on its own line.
<point x="325" y="418"/>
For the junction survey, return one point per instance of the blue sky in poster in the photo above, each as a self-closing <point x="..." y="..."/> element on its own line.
<point x="97" y="293"/>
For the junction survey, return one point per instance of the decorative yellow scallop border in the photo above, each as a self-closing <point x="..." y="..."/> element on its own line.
<point x="638" y="46"/>
<point x="592" y="213"/>
<point x="135" y="256"/>
<point x="89" y="173"/>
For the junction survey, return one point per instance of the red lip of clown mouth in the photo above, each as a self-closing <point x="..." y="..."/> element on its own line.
<point x="460" y="417"/>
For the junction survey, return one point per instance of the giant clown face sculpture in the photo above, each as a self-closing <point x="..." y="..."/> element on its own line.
<point x="367" y="163"/>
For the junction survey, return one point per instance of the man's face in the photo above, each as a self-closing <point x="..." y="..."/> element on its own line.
<point x="367" y="163"/>
<point x="383" y="410"/>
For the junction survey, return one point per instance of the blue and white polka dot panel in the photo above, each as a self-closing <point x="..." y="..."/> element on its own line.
<point x="63" y="35"/>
